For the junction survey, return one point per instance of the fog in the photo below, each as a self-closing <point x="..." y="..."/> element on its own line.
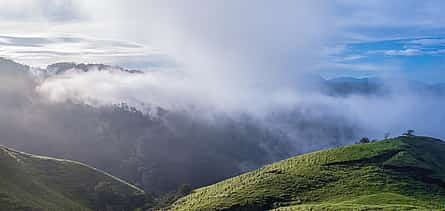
<point x="228" y="54"/>
<point x="229" y="57"/>
<point x="395" y="109"/>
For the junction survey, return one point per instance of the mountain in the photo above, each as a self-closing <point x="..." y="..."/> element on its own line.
<point x="31" y="182"/>
<point x="402" y="173"/>
<point x="62" y="67"/>
<point x="347" y="86"/>
<point x="7" y="65"/>
<point x="131" y="144"/>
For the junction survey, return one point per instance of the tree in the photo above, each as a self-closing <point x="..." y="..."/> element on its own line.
<point x="387" y="135"/>
<point x="409" y="133"/>
<point x="364" y="140"/>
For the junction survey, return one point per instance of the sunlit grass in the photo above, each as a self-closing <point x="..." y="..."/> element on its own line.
<point x="401" y="173"/>
<point x="32" y="182"/>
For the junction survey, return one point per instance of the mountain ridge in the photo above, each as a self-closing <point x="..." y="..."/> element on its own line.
<point x="33" y="182"/>
<point x="339" y="86"/>
<point x="62" y="67"/>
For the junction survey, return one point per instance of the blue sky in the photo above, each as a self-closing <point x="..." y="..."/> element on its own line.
<point x="403" y="39"/>
<point x="418" y="58"/>
<point x="369" y="38"/>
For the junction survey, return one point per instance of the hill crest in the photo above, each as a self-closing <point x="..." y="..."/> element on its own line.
<point x="42" y="183"/>
<point x="399" y="173"/>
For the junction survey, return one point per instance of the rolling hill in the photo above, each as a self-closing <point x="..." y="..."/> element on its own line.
<point x="403" y="173"/>
<point x="31" y="182"/>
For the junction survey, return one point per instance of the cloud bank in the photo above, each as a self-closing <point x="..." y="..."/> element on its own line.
<point x="256" y="58"/>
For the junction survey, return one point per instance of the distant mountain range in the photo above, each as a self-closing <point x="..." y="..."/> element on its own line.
<point x="339" y="87"/>
<point x="62" y="67"/>
<point x="346" y="86"/>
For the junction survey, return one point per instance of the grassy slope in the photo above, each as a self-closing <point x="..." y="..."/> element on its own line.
<point x="30" y="182"/>
<point x="394" y="174"/>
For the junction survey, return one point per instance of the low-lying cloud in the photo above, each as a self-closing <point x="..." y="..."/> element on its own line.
<point x="393" y="107"/>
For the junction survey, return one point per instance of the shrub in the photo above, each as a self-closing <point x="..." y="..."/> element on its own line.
<point x="364" y="140"/>
<point x="409" y="133"/>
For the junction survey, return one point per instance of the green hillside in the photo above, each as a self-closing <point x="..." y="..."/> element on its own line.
<point x="30" y="182"/>
<point x="403" y="173"/>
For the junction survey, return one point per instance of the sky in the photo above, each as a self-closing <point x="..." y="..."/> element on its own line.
<point x="400" y="38"/>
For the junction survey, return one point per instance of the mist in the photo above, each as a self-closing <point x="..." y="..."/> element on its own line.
<point x="228" y="54"/>
<point x="393" y="110"/>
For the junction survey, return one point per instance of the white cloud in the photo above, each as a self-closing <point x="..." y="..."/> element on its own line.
<point x="41" y="10"/>
<point x="259" y="39"/>
<point x="353" y="57"/>
<point x="428" y="41"/>
<point x="231" y="48"/>
<point x="354" y="66"/>
<point x="42" y="50"/>
<point x="404" y="52"/>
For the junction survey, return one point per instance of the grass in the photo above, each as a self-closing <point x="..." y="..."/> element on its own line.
<point x="403" y="173"/>
<point x="30" y="182"/>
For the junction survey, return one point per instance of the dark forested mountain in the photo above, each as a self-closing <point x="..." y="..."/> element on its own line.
<point x="59" y="68"/>
<point x="158" y="150"/>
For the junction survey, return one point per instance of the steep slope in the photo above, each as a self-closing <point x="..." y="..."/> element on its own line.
<point x="30" y="182"/>
<point x="394" y="174"/>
